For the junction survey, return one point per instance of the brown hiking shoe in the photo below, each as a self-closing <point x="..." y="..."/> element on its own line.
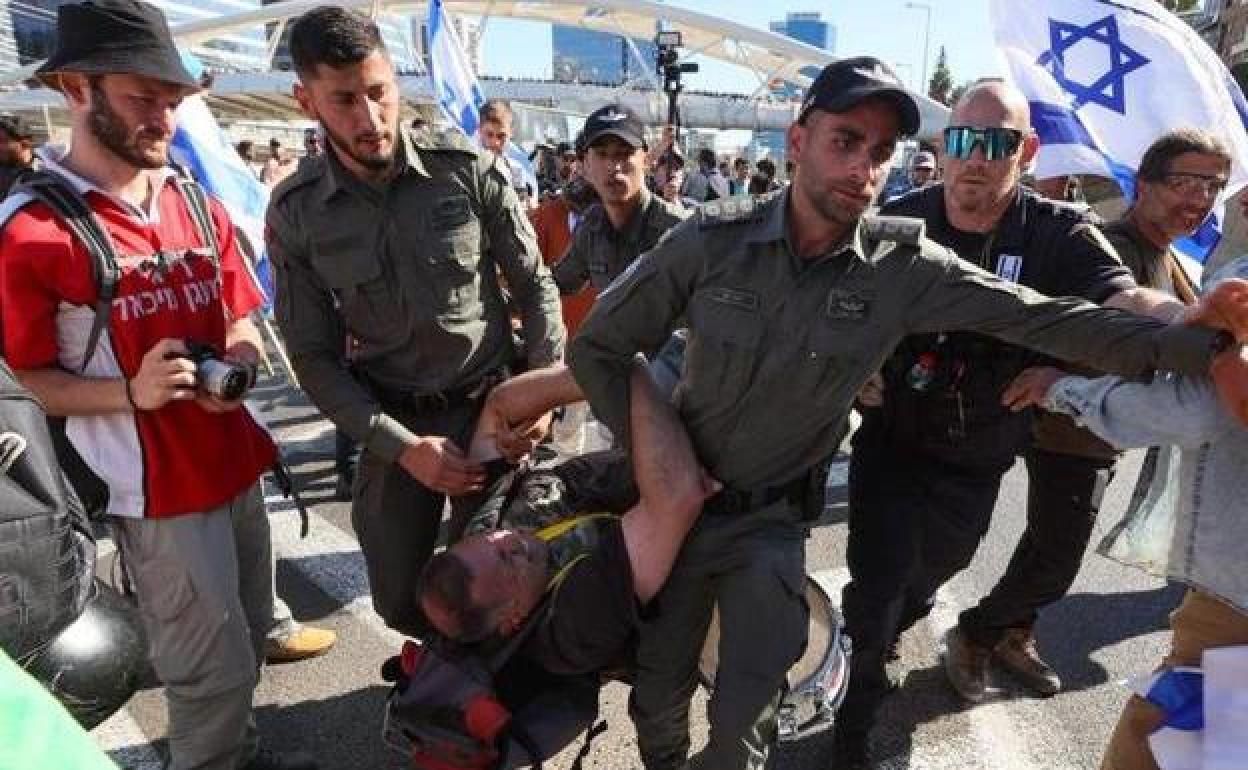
<point x="966" y="664"/>
<point x="1017" y="653"/>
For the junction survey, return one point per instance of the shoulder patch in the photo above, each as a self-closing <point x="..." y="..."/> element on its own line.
<point x="448" y="140"/>
<point x="303" y="176"/>
<point x="729" y="211"/>
<point x="908" y="230"/>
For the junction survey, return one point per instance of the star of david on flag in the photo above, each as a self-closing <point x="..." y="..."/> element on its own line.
<point x="1105" y="78"/>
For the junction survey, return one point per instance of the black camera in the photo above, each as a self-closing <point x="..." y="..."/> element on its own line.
<point x="226" y="380"/>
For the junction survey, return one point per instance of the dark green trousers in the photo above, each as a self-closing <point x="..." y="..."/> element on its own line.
<point x="752" y="566"/>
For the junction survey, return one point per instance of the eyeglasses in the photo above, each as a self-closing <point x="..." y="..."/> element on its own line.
<point x="1191" y="183"/>
<point x="997" y="143"/>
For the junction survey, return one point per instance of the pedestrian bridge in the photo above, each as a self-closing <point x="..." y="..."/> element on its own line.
<point x="766" y="57"/>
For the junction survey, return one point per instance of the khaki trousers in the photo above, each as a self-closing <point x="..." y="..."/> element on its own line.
<point x="205" y="591"/>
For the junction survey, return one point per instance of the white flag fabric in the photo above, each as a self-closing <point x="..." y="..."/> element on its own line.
<point x="454" y="84"/>
<point x="202" y="147"/>
<point x="458" y="91"/>
<point x="1105" y="78"/>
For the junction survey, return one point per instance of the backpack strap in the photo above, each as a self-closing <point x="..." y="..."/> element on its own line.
<point x="197" y="202"/>
<point x="72" y="209"/>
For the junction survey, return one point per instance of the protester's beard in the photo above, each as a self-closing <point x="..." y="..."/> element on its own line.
<point x="111" y="131"/>
<point x="371" y="162"/>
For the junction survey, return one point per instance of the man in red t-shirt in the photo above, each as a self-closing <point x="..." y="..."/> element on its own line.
<point x="182" y="466"/>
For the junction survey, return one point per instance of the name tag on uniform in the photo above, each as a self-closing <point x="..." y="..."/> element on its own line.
<point x="1009" y="267"/>
<point x="451" y="212"/>
<point x="746" y="300"/>
<point x="848" y="305"/>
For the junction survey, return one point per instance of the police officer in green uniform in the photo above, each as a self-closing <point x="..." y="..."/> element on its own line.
<point x="399" y="239"/>
<point x="793" y="300"/>
<point x="628" y="220"/>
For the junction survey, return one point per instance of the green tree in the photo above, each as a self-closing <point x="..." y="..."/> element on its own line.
<point x="941" y="84"/>
<point x="1179" y="6"/>
<point x="957" y="92"/>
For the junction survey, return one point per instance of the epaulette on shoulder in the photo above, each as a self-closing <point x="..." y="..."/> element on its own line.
<point x="908" y="230"/>
<point x="306" y="174"/>
<point x="730" y="211"/>
<point x="447" y="140"/>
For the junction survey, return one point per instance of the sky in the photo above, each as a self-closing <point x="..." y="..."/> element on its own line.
<point x="883" y="28"/>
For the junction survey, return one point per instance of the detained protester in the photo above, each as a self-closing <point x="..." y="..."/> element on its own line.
<point x="591" y="580"/>
<point x="628" y="220"/>
<point x="1206" y="547"/>
<point x="137" y="380"/>
<point x="1178" y="181"/>
<point x="398" y="239"/>
<point x="927" y="462"/>
<point x="793" y="301"/>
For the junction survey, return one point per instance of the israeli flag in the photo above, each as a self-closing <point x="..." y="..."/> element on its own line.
<point x="202" y="147"/>
<point x="1106" y="78"/>
<point x="459" y="93"/>
<point x="454" y="84"/>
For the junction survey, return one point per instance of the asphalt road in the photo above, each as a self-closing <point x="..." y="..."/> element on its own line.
<point x="1111" y="626"/>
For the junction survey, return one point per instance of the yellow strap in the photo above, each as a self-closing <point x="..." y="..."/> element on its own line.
<point x="560" y="528"/>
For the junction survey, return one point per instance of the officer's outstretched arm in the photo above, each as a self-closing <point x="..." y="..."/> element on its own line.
<point x="672" y="483"/>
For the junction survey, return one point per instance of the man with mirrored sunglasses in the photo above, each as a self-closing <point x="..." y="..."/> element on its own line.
<point x="936" y="440"/>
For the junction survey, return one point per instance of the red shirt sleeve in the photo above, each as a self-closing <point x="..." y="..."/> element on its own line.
<point x="35" y="257"/>
<point x="239" y="289"/>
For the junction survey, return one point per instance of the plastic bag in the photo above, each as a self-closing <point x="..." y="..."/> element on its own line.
<point x="1142" y="538"/>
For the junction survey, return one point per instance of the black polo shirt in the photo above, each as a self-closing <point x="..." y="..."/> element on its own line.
<point x="943" y="392"/>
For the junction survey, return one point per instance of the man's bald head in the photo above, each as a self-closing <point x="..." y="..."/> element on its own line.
<point x="992" y="102"/>
<point x="980" y="184"/>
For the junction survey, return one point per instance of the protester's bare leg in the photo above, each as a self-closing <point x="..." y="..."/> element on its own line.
<point x="672" y="483"/>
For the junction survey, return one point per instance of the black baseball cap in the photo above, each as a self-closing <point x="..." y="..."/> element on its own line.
<point x="844" y="84"/>
<point x="614" y="120"/>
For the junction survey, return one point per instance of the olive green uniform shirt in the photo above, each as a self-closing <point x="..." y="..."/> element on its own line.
<point x="598" y="253"/>
<point x="779" y="346"/>
<point x="412" y="273"/>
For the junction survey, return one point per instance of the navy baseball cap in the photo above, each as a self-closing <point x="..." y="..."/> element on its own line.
<point x="844" y="84"/>
<point x="614" y="120"/>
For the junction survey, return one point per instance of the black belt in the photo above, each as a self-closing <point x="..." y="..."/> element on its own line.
<point x="731" y="501"/>
<point x="442" y="400"/>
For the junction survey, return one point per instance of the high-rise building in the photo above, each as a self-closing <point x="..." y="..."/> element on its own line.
<point x="586" y="55"/>
<point x="28" y="33"/>
<point x="807" y="27"/>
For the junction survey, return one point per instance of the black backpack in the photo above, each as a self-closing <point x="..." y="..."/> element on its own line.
<point x="47" y="554"/>
<point x="72" y="209"/>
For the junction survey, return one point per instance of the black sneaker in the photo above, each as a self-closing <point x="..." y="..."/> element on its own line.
<point x="851" y="750"/>
<point x="265" y="759"/>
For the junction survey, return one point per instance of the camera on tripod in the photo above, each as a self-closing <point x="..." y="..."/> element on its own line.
<point x="227" y="380"/>
<point x="669" y="65"/>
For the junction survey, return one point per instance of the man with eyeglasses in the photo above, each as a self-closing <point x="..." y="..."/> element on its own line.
<point x="936" y="439"/>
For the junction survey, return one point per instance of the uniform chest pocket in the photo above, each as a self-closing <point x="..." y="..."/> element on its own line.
<point x="370" y="303"/>
<point x="455" y="246"/>
<point x="839" y="342"/>
<point x="599" y="271"/>
<point x="723" y="352"/>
